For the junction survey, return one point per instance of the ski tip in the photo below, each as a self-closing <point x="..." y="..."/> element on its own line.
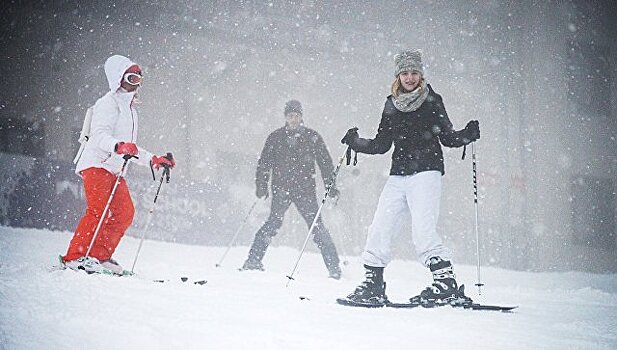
<point x="491" y="307"/>
<point x="508" y="308"/>
<point x="304" y="298"/>
<point x="59" y="267"/>
<point x="201" y="282"/>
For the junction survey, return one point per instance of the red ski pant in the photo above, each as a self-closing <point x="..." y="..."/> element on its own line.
<point x="98" y="184"/>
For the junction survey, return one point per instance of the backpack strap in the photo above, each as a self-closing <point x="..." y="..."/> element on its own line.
<point x="84" y="135"/>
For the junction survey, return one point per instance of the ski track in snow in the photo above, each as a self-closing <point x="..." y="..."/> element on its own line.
<point x="254" y="310"/>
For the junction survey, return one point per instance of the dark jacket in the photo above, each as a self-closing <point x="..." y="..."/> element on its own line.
<point x="290" y="156"/>
<point x="416" y="136"/>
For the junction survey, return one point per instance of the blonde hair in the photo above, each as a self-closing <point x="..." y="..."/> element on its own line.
<point x="397" y="87"/>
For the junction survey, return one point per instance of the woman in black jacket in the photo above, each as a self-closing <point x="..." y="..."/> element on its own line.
<point x="414" y="119"/>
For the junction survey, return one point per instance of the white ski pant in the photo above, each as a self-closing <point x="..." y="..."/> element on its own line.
<point x="420" y="194"/>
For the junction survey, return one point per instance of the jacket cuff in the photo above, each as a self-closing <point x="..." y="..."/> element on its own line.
<point x="111" y="145"/>
<point x="144" y="157"/>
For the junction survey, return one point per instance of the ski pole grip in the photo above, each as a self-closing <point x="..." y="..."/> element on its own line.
<point x="169" y="157"/>
<point x="128" y="156"/>
<point x="167" y="170"/>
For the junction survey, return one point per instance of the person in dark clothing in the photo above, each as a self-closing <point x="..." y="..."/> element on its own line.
<point x="415" y="121"/>
<point x="289" y="158"/>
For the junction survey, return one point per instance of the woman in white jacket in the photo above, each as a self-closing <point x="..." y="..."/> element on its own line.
<point x="113" y="134"/>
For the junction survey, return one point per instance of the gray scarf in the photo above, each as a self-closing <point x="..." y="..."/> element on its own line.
<point x="410" y="101"/>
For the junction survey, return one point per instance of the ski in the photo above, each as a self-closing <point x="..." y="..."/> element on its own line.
<point x="405" y="305"/>
<point x="182" y="279"/>
<point x="125" y="273"/>
<point x="61" y="266"/>
<point x="490" y="307"/>
<point x="473" y="306"/>
<point x="349" y="302"/>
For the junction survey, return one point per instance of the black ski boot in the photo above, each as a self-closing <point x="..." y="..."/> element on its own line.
<point x="444" y="290"/>
<point x="371" y="292"/>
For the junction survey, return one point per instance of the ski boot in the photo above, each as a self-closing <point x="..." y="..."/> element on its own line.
<point x="88" y="264"/>
<point x="335" y="272"/>
<point x="252" y="265"/>
<point x="113" y="266"/>
<point x="371" y="292"/>
<point x="444" y="290"/>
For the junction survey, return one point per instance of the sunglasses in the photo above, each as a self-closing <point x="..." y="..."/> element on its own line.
<point x="133" y="79"/>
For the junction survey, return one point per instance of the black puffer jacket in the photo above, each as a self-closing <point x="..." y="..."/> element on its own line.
<point x="416" y="136"/>
<point x="290" y="156"/>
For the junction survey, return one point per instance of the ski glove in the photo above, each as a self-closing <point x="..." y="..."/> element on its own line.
<point x="350" y="137"/>
<point x="126" y="148"/>
<point x="472" y="131"/>
<point x="162" y="161"/>
<point x="262" y="191"/>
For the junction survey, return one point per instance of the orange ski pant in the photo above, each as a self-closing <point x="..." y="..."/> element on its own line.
<point x="98" y="184"/>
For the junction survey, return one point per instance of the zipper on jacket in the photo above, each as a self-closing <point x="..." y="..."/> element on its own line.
<point x="133" y="120"/>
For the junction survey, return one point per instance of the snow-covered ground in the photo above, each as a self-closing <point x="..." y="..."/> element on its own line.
<point x="254" y="310"/>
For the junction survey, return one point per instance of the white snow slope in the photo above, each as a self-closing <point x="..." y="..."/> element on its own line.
<point x="255" y="310"/>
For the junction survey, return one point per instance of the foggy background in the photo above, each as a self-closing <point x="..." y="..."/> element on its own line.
<point x="540" y="76"/>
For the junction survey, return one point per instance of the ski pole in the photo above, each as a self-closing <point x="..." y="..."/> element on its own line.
<point x="323" y="201"/>
<point x="475" y="202"/>
<point x="111" y="197"/>
<point x="233" y="239"/>
<point x="165" y="175"/>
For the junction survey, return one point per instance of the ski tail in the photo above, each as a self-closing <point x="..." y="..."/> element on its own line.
<point x="349" y="302"/>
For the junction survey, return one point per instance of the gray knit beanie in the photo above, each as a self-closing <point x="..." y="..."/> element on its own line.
<point x="293" y="106"/>
<point x="410" y="60"/>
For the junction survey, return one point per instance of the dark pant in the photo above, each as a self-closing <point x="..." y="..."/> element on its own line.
<point x="306" y="202"/>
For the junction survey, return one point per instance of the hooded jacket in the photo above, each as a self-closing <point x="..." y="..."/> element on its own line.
<point x="114" y="120"/>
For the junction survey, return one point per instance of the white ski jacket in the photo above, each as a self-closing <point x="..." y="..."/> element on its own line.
<point x="114" y="120"/>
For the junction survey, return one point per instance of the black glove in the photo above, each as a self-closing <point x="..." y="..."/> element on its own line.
<point x="350" y="137"/>
<point x="472" y="131"/>
<point x="334" y="193"/>
<point x="262" y="191"/>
